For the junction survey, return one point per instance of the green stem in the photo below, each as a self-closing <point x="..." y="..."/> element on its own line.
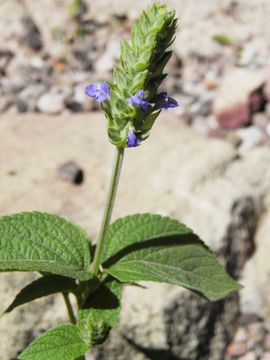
<point x="71" y="315"/>
<point x="108" y="209"/>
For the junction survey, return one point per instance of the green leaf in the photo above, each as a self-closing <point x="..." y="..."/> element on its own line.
<point x="105" y="302"/>
<point x="46" y="243"/>
<point x="68" y="342"/>
<point x="153" y="248"/>
<point x="61" y="343"/>
<point x="41" y="287"/>
<point x="100" y="312"/>
<point x="223" y="39"/>
<point x="137" y="228"/>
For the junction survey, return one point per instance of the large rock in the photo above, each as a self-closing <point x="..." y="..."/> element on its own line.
<point x="255" y="296"/>
<point x="204" y="183"/>
<point x="239" y="95"/>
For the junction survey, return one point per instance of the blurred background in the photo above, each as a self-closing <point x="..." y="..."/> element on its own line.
<point x="212" y="170"/>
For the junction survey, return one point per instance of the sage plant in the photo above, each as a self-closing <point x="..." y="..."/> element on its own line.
<point x="140" y="247"/>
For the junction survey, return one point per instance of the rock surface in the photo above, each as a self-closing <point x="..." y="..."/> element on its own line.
<point x="233" y="103"/>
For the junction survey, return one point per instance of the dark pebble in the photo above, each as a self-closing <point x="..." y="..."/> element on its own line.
<point x="248" y="318"/>
<point x="32" y="37"/>
<point x="71" y="172"/>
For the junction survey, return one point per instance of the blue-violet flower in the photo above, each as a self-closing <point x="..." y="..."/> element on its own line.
<point x="132" y="140"/>
<point x="99" y="93"/>
<point x="165" y="102"/>
<point x="138" y="100"/>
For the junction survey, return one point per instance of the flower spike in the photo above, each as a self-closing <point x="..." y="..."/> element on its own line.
<point x="131" y="99"/>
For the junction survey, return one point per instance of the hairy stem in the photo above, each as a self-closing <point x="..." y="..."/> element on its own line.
<point x="108" y="209"/>
<point x="71" y="315"/>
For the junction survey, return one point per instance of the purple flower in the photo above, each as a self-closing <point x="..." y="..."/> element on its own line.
<point x="132" y="140"/>
<point x="99" y="93"/>
<point x="165" y="102"/>
<point x="138" y="100"/>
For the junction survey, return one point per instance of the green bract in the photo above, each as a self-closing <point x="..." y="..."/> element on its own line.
<point x="141" y="67"/>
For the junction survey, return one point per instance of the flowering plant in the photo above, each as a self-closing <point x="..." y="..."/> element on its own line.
<point x="140" y="247"/>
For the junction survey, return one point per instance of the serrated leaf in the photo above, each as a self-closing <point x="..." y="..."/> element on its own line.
<point x="68" y="342"/>
<point x="61" y="343"/>
<point x="137" y="228"/>
<point x="42" y="242"/>
<point x="44" y="286"/>
<point x="153" y="248"/>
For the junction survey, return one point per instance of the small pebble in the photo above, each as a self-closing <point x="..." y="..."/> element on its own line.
<point x="237" y="348"/>
<point x="240" y="335"/>
<point x="267" y="342"/>
<point x="251" y="137"/>
<point x="5" y="102"/>
<point x="256" y="332"/>
<point x="22" y="106"/>
<point x="267" y="110"/>
<point x="71" y="172"/>
<point x="248" y="356"/>
<point x="260" y="120"/>
<point x="50" y="103"/>
<point x="32" y="37"/>
<point x="266" y="356"/>
<point x="248" y="318"/>
<point x="247" y="55"/>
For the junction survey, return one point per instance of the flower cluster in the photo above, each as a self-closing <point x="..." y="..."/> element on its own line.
<point x="102" y="93"/>
<point x="131" y="102"/>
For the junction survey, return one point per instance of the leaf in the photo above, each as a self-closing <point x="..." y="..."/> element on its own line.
<point x="42" y="242"/>
<point x="68" y="342"/>
<point x="153" y="248"/>
<point x="223" y="39"/>
<point x="105" y="302"/>
<point x="100" y="312"/>
<point x="139" y="227"/>
<point x="41" y="287"/>
<point x="61" y="343"/>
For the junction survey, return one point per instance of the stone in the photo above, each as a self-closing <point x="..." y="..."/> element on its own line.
<point x="32" y="37"/>
<point x="110" y="56"/>
<point x="5" y="102"/>
<point x="266" y="90"/>
<point x="5" y="58"/>
<point x="21" y="105"/>
<point x="249" y="356"/>
<point x="248" y="54"/>
<point x="240" y="335"/>
<point x="267" y="342"/>
<point x="250" y="137"/>
<point x="13" y="85"/>
<point x="260" y="120"/>
<point x="255" y="278"/>
<point x="71" y="172"/>
<point x="255" y="333"/>
<point x="267" y="110"/>
<point x="30" y="95"/>
<point x="232" y="103"/>
<point x="237" y="349"/>
<point x="51" y="103"/>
